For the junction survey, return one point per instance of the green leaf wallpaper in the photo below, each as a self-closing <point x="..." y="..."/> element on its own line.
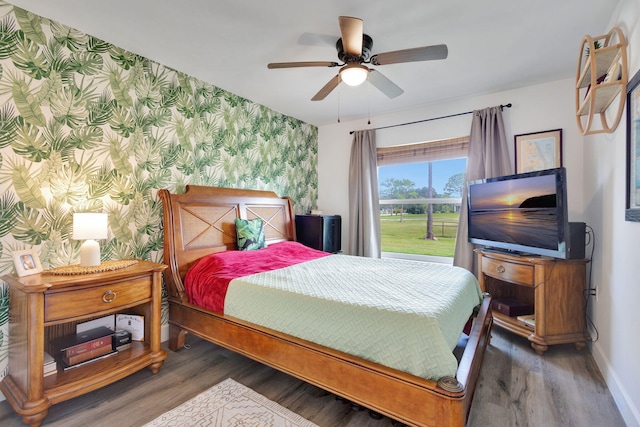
<point x="86" y="126"/>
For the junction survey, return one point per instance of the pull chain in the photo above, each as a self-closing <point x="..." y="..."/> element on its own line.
<point x="369" y="103"/>
<point x="338" y="104"/>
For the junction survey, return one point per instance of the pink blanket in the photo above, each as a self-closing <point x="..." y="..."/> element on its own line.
<point x="207" y="281"/>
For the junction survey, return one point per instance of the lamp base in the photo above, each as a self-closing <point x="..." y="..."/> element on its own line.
<point x="90" y="254"/>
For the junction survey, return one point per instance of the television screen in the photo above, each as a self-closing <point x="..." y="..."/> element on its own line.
<point x="522" y="213"/>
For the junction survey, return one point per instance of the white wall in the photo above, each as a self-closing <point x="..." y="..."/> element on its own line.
<point x="534" y="108"/>
<point x="615" y="265"/>
<point x="596" y="177"/>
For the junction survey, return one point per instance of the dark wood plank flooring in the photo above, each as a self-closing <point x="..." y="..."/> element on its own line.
<point x="517" y="388"/>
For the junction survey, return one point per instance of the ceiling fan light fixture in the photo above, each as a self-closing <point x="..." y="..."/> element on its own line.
<point x="354" y="74"/>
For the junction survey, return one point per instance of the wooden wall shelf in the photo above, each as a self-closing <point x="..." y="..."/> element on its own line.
<point x="601" y="78"/>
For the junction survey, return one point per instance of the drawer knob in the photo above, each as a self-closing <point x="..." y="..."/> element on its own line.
<point x="109" y="297"/>
<point x="500" y="268"/>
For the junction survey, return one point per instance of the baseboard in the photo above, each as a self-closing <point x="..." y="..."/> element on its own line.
<point x="630" y="412"/>
<point x="164" y="332"/>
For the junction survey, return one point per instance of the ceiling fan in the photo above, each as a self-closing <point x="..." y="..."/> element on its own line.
<point x="354" y="50"/>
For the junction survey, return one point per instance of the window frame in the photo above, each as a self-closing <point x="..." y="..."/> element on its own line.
<point x="430" y="151"/>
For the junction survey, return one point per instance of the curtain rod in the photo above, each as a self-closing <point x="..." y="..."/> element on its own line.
<point x="502" y="107"/>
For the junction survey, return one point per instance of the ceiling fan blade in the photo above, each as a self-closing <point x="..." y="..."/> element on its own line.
<point x="425" y="53"/>
<point x="383" y="84"/>
<point x="326" y="90"/>
<point x="302" y="64"/>
<point x="351" y="30"/>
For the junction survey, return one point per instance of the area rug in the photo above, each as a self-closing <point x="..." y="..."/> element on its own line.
<point x="230" y="404"/>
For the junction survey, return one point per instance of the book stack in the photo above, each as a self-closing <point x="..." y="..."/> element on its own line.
<point x="84" y="347"/>
<point x="50" y="366"/>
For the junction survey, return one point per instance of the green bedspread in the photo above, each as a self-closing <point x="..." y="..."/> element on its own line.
<point x="403" y="314"/>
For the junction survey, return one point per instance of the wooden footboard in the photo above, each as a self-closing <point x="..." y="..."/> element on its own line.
<point x="396" y="394"/>
<point x="200" y="222"/>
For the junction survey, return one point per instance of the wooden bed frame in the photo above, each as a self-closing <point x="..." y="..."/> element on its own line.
<point x="201" y="221"/>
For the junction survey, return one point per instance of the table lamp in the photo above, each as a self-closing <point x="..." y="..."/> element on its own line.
<point x="89" y="227"/>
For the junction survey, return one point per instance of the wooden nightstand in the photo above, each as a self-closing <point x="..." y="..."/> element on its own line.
<point x="44" y="307"/>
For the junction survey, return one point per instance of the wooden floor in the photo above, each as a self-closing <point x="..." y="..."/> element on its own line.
<point x="517" y="388"/>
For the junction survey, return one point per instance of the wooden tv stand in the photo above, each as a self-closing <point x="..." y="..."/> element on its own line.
<point x="554" y="287"/>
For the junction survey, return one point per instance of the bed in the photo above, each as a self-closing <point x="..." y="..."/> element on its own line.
<point x="200" y="222"/>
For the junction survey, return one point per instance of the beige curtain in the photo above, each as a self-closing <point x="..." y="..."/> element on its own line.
<point x="488" y="157"/>
<point x="364" y="206"/>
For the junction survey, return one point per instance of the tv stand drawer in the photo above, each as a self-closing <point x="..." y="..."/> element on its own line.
<point x="509" y="272"/>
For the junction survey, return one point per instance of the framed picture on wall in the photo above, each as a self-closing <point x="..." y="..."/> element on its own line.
<point x="538" y="151"/>
<point x="632" y="213"/>
<point x="26" y="262"/>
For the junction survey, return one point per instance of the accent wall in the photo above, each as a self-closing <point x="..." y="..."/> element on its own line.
<point x="86" y="126"/>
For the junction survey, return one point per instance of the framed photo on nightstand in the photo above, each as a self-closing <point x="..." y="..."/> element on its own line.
<point x="26" y="262"/>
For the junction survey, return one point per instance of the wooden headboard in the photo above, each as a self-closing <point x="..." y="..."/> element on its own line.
<point x="201" y="221"/>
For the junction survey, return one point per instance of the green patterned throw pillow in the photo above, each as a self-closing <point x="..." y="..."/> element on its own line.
<point x="250" y="234"/>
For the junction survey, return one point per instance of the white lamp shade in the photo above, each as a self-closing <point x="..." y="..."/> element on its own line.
<point x="354" y="74"/>
<point x="90" y="226"/>
<point x="87" y="227"/>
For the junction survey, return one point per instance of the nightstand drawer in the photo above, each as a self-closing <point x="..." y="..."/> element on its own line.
<point x="80" y="302"/>
<point x="509" y="272"/>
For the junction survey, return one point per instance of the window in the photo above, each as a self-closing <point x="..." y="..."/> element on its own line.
<point x="420" y="188"/>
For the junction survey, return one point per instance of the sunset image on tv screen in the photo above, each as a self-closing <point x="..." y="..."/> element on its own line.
<point x="520" y="211"/>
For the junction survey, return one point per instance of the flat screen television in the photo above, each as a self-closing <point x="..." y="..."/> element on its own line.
<point x="523" y="213"/>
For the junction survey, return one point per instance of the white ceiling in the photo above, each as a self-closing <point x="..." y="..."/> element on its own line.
<point x="494" y="45"/>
